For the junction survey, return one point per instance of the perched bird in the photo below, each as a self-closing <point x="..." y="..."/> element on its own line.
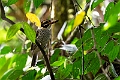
<point x="43" y="35"/>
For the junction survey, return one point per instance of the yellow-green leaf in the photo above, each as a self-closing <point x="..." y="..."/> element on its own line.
<point x="13" y="30"/>
<point x="79" y="18"/>
<point x="34" y="19"/>
<point x="29" y="32"/>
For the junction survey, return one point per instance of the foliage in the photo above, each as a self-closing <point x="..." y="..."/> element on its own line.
<point x="15" y="58"/>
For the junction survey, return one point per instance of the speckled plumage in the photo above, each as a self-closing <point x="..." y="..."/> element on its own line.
<point x="43" y="36"/>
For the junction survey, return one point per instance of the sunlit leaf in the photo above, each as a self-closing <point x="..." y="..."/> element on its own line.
<point x="113" y="17"/>
<point x="37" y="3"/>
<point x="118" y="78"/>
<point x="6" y="74"/>
<point x="29" y="32"/>
<point x="2" y="61"/>
<point x="4" y="65"/>
<point x="111" y="22"/>
<point x="2" y="35"/>
<point x="74" y="40"/>
<point x="69" y="27"/>
<point x="95" y="3"/>
<point x="26" y="6"/>
<point x="13" y="30"/>
<point x="11" y="74"/>
<point x="78" y="19"/>
<point x="58" y="63"/>
<point x="11" y="2"/>
<point x="34" y="19"/>
<point x="108" y="11"/>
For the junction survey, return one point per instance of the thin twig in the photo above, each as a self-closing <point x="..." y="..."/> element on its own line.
<point x="80" y="30"/>
<point x="37" y="43"/>
<point x="100" y="60"/>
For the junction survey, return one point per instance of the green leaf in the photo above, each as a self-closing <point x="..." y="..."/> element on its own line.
<point x="113" y="17"/>
<point x="29" y="32"/>
<point x="15" y="75"/>
<point x="109" y="47"/>
<point x="103" y="40"/>
<point x="116" y="9"/>
<point x="5" y="49"/>
<point x="87" y="35"/>
<point x="115" y="28"/>
<point x="100" y="77"/>
<point x="88" y="44"/>
<point x="37" y="3"/>
<point x="87" y="1"/>
<point x="6" y="74"/>
<point x="58" y="63"/>
<point x="78" y="54"/>
<point x="113" y="54"/>
<point x="66" y="71"/>
<point x="55" y="56"/>
<point x="4" y="66"/>
<point x="12" y="74"/>
<point x="76" y="68"/>
<point x="26" y="6"/>
<point x="10" y="2"/>
<point x="63" y="72"/>
<point x="118" y="78"/>
<point x="93" y="66"/>
<point x="30" y="75"/>
<point x="13" y="30"/>
<point x="96" y="3"/>
<point x="69" y="28"/>
<point x="2" y="61"/>
<point x="19" y="61"/>
<point x="108" y="11"/>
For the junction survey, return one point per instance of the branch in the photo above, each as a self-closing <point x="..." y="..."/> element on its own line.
<point x="3" y="14"/>
<point x="100" y="60"/>
<point x="37" y="43"/>
<point x="46" y="60"/>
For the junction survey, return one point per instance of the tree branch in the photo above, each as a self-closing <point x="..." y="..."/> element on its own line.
<point x="46" y="60"/>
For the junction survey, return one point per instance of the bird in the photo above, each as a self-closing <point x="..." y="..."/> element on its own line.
<point x="43" y="36"/>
